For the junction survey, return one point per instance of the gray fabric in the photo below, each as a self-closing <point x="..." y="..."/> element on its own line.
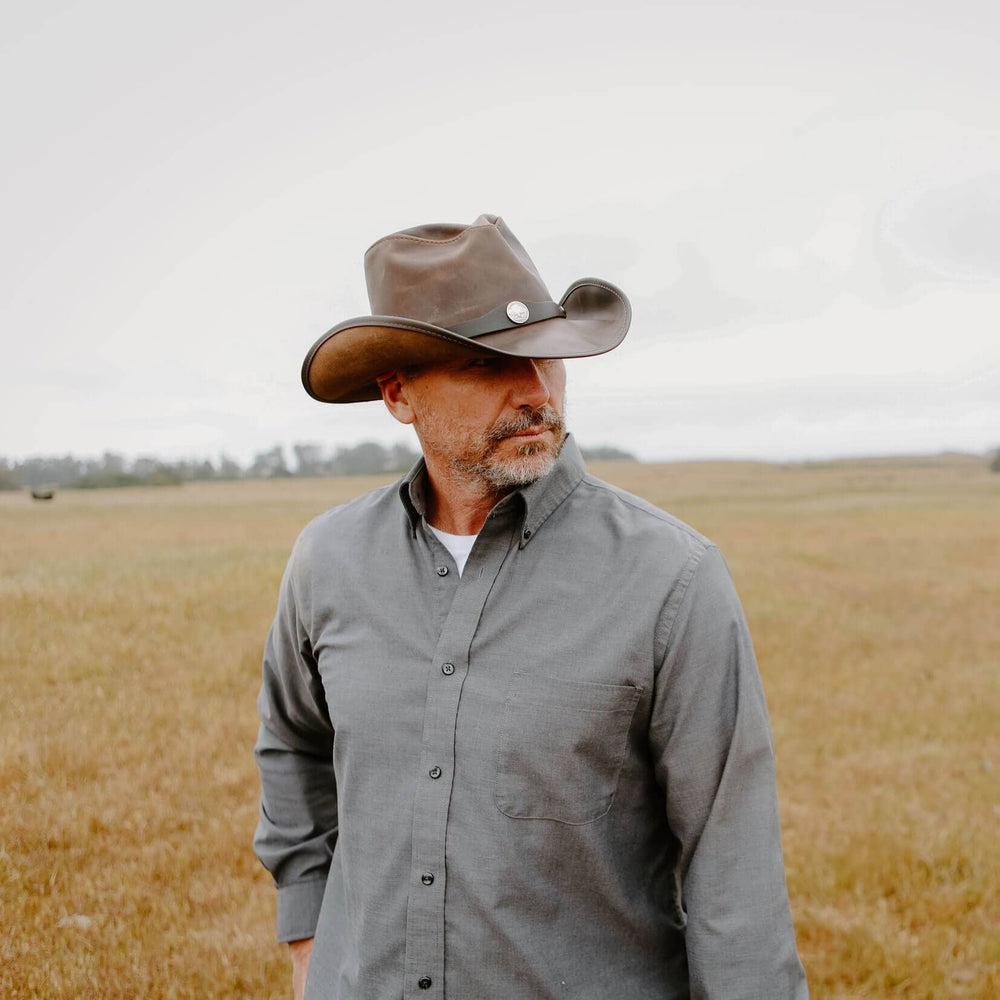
<point x="604" y="822"/>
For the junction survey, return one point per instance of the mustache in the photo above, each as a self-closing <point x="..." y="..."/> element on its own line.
<point x="546" y="416"/>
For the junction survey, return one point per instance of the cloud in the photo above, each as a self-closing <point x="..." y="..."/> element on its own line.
<point x="693" y="302"/>
<point x="952" y="229"/>
<point x="844" y="203"/>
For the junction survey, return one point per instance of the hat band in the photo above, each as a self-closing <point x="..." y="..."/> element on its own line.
<point x="500" y="318"/>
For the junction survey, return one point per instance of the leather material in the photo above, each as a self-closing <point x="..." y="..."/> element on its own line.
<point x="441" y="290"/>
<point x="499" y="318"/>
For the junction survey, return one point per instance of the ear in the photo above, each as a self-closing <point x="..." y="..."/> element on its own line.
<point x="394" y="397"/>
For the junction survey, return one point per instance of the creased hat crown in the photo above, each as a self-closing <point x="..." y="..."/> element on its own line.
<point x="443" y="291"/>
<point x="446" y="274"/>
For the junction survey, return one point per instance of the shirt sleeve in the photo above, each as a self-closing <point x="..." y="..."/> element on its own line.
<point x="713" y="756"/>
<point x="297" y="826"/>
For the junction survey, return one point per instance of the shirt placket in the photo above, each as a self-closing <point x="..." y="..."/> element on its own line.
<point x="424" y="961"/>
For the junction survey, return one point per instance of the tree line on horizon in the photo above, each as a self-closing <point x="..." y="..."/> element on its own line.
<point x="306" y="459"/>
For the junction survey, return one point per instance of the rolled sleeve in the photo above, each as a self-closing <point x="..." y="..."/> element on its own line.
<point x="713" y="755"/>
<point x="297" y="826"/>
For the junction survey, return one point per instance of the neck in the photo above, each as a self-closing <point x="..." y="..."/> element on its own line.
<point x="455" y="504"/>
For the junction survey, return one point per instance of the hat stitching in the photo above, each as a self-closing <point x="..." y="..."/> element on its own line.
<point x="594" y="281"/>
<point x="422" y="239"/>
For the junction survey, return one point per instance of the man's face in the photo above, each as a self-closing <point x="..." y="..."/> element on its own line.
<point x="496" y="419"/>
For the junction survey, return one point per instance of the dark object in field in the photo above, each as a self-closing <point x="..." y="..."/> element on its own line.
<point x="41" y="493"/>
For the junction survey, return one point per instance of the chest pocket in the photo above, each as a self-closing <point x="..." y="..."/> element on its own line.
<point x="560" y="747"/>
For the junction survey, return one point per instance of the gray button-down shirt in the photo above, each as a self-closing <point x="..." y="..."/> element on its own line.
<point x="551" y="777"/>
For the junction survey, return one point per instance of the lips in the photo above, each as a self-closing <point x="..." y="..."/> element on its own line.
<point x="531" y="432"/>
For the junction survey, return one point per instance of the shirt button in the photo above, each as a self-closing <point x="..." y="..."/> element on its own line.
<point x="447" y="668"/>
<point x="427" y="878"/>
<point x="424" y="982"/>
<point x="435" y="772"/>
<point x="527" y="532"/>
<point x="442" y="571"/>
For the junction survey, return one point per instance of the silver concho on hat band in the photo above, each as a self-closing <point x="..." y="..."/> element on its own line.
<point x="517" y="311"/>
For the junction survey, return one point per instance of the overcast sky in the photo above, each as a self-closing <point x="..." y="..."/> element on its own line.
<point x="801" y="200"/>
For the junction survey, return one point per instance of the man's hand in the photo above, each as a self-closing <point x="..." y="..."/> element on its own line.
<point x="300" y="952"/>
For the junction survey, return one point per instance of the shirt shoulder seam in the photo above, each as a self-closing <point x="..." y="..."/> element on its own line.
<point x="370" y="495"/>
<point x="656" y="513"/>
<point x="680" y="592"/>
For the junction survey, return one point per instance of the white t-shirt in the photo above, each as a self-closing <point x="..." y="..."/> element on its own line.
<point x="458" y="545"/>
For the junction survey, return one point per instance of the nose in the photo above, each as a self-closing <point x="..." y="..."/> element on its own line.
<point x="529" y="388"/>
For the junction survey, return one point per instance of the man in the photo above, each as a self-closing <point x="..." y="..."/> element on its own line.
<point x="513" y="740"/>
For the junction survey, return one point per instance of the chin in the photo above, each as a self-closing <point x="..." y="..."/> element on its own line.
<point x="532" y="462"/>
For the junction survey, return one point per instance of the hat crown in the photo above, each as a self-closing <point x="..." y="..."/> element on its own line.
<point x="446" y="273"/>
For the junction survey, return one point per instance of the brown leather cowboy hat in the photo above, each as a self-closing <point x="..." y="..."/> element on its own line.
<point x="444" y="290"/>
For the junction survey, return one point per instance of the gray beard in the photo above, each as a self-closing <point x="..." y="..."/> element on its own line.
<point x="512" y="472"/>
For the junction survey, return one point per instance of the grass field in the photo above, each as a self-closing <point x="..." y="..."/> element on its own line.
<point x="130" y="643"/>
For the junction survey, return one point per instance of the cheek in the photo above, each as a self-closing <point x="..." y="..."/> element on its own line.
<point x="444" y="427"/>
<point x="456" y="424"/>
<point x="557" y="390"/>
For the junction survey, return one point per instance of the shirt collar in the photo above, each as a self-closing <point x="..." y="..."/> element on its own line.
<point x="537" y="499"/>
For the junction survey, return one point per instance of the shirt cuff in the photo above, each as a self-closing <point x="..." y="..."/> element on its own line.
<point x="298" y="909"/>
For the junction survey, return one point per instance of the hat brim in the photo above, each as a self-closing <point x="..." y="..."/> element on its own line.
<point x="341" y="367"/>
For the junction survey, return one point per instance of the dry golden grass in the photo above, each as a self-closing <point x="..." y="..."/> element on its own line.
<point x="132" y="628"/>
